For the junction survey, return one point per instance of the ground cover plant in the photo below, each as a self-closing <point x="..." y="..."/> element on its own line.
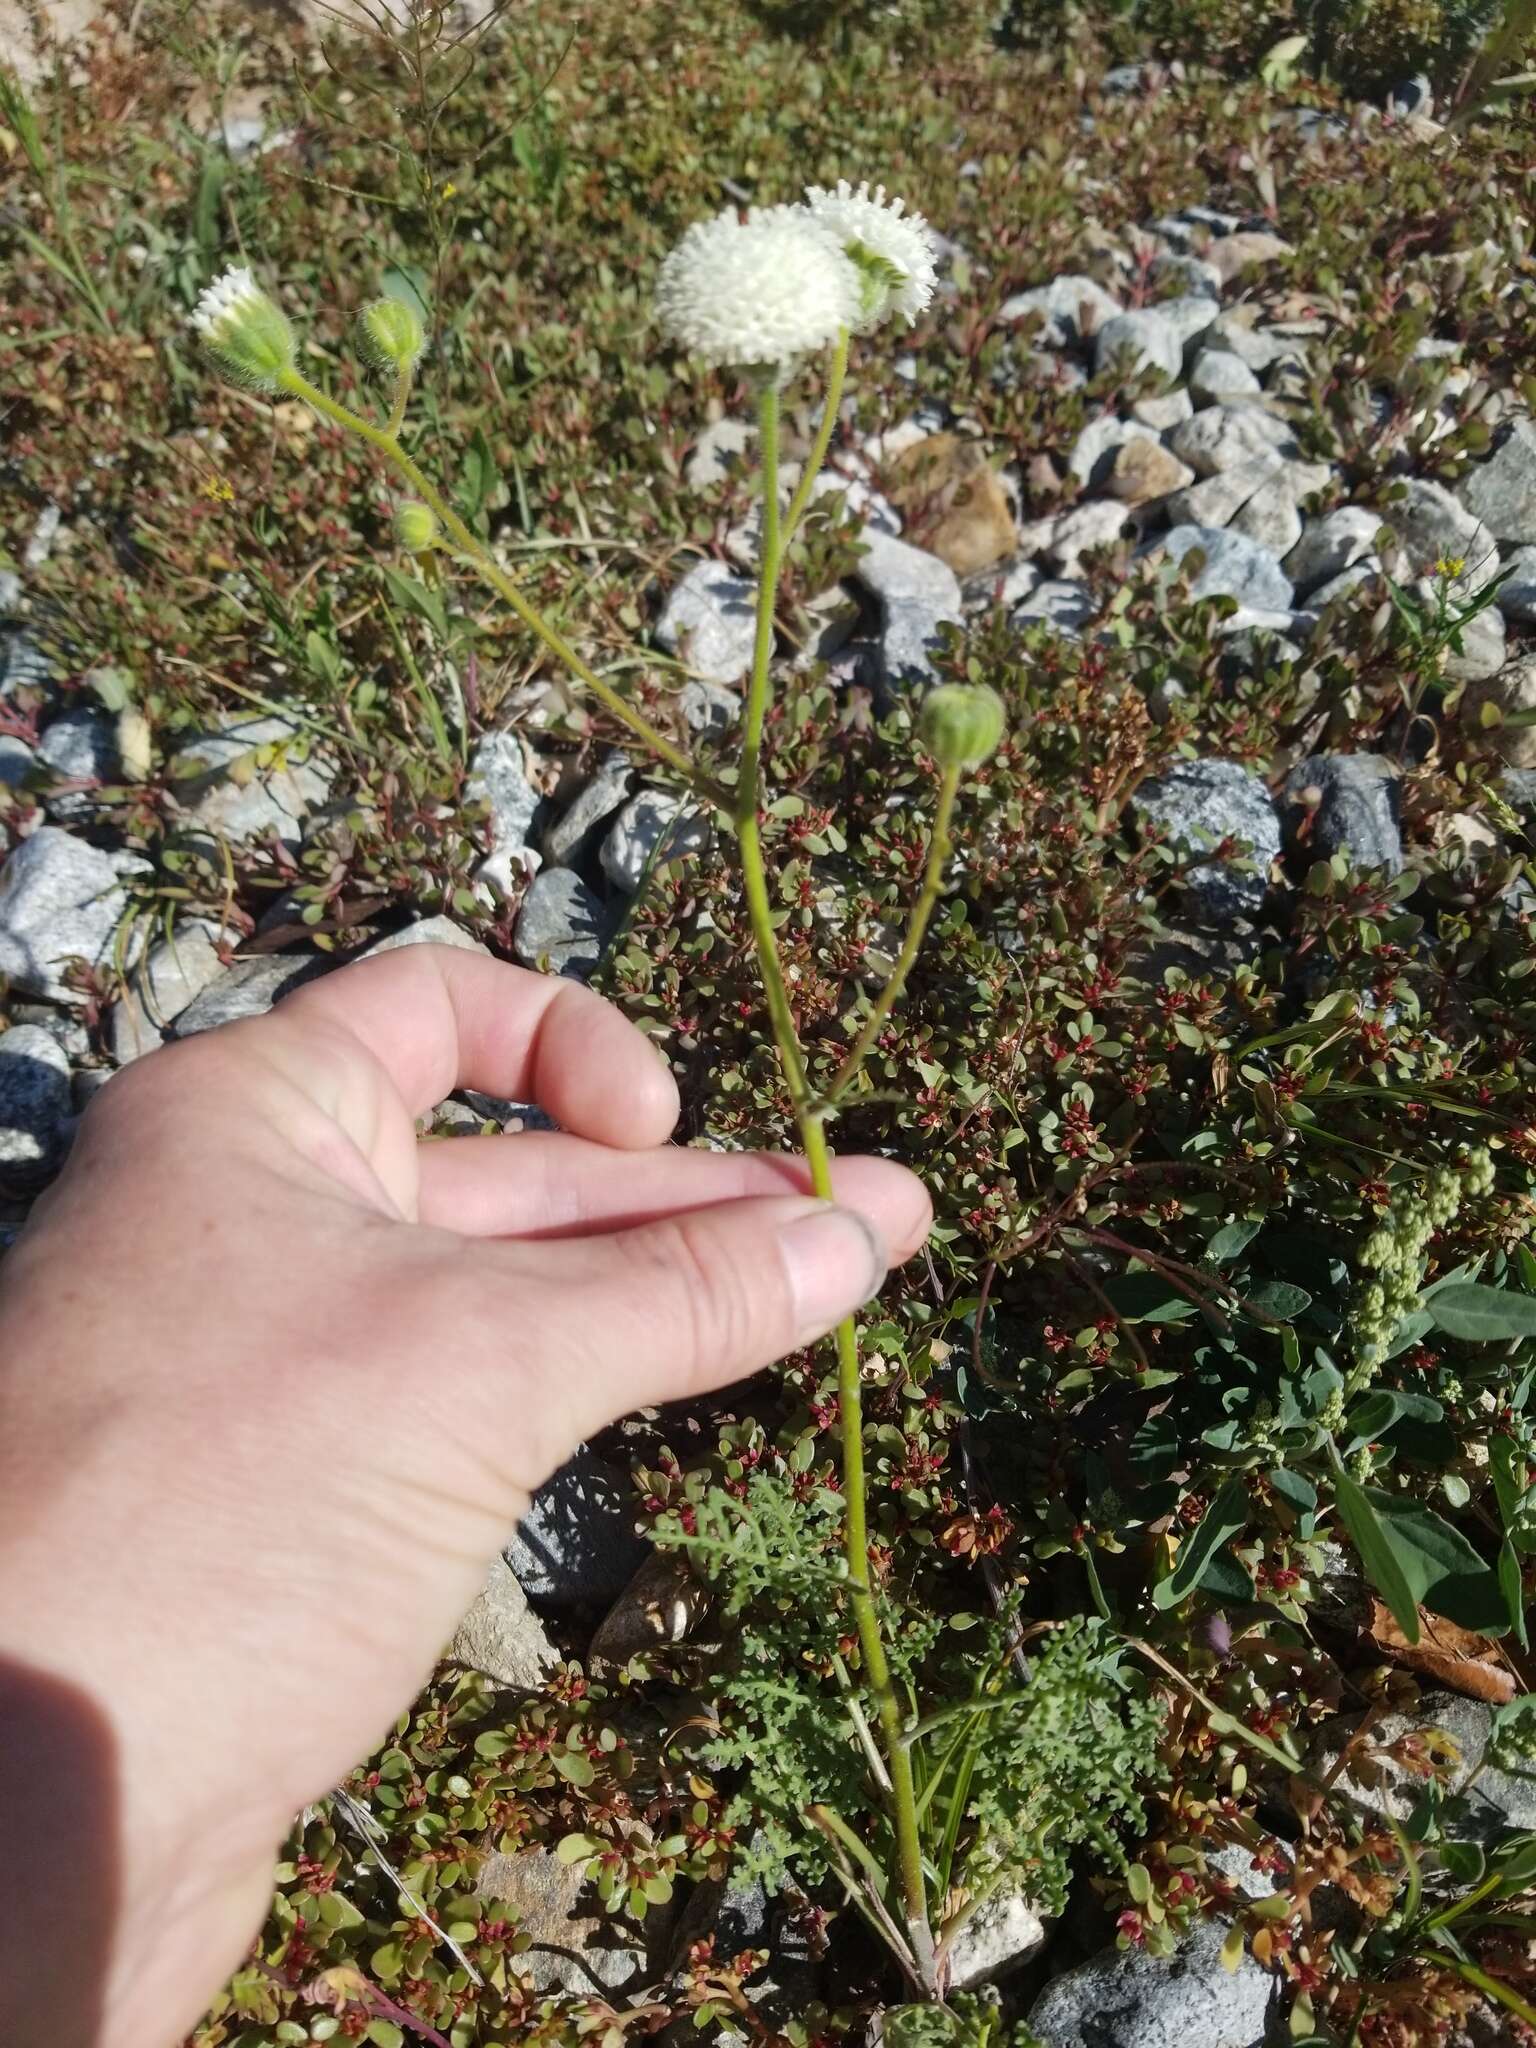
<point x="1202" y="1438"/>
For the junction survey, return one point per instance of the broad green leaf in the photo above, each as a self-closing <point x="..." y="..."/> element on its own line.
<point x="1513" y="1591"/>
<point x="1376" y="1552"/>
<point x="1233" y="1238"/>
<point x="1282" y="1299"/>
<point x="1226" y="1517"/>
<point x="1482" y="1315"/>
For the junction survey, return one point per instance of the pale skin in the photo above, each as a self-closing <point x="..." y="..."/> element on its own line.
<point x="276" y="1379"/>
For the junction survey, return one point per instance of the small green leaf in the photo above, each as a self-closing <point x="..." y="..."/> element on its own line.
<point x="576" y="1848"/>
<point x="1233" y="1238"/>
<point x="1376" y="1553"/>
<point x="1226" y="1517"/>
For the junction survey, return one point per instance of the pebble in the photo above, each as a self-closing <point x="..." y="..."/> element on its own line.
<point x="498" y="778"/>
<point x="1219" y="375"/>
<point x="1197" y="277"/>
<point x="1199" y="803"/>
<point x="1482" y="651"/>
<point x="1100" y="523"/>
<point x="80" y="745"/>
<point x="427" y="931"/>
<point x="1187" y="316"/>
<point x="1224" y="437"/>
<point x="1330" y="545"/>
<point x="1513" y="689"/>
<point x="1428" y="525"/>
<point x="1070" y="307"/>
<point x="248" y="989"/>
<point x="1234" y="567"/>
<point x="580" y="827"/>
<point x="36" y="1106"/>
<point x="718" y="454"/>
<point x="220" y="782"/>
<point x="1097" y="448"/>
<point x="1270" y="517"/>
<point x="160" y="988"/>
<point x="23" y="664"/>
<point x="1344" y="583"/>
<point x="1501" y="492"/>
<point x="1166" y="410"/>
<point x="502" y="1636"/>
<point x="708" y="707"/>
<point x="1216" y="500"/>
<point x="918" y="596"/>
<point x="575" y="1945"/>
<point x="709" y="622"/>
<point x="1064" y="604"/>
<point x="1493" y="1802"/>
<point x="1145" y="470"/>
<point x="61" y="902"/>
<point x="1231" y="255"/>
<point x="1517" y="594"/>
<point x="1003" y="1934"/>
<point x="654" y="825"/>
<point x="1334" y="802"/>
<point x="560" y="926"/>
<point x="1140" y="341"/>
<point x="16" y="759"/>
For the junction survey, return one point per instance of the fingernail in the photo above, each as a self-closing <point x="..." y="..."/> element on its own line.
<point x="835" y="1263"/>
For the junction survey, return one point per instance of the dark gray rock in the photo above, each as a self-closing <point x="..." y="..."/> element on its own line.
<point x="709" y="621"/>
<point x="560" y="926"/>
<point x="1198" y="804"/>
<point x="16" y="759"/>
<point x="577" y="832"/>
<point x="1412" y="96"/>
<point x="498" y="778"/>
<point x="36" y="1106"/>
<point x="1125" y="1998"/>
<point x="61" y="902"/>
<point x="249" y="989"/>
<point x="1234" y="567"/>
<point x="160" y="988"/>
<point x="1501" y="492"/>
<point x="1355" y="807"/>
<point x="577" y="1547"/>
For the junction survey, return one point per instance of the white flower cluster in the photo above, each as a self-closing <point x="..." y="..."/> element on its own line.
<point x="786" y="280"/>
<point x="1395" y="1249"/>
<point x="245" y="332"/>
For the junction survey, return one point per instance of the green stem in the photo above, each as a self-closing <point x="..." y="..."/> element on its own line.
<point x="922" y="910"/>
<point x="823" y="440"/>
<point x="402" y="400"/>
<point x="813" y="1138"/>
<point x="475" y="550"/>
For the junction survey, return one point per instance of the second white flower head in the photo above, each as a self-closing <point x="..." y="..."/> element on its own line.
<point x="761" y="290"/>
<point x="246" y="332"/>
<point x="893" y="250"/>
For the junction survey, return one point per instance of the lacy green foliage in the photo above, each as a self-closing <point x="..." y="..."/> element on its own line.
<point x="1016" y="1773"/>
<point x="967" y="2022"/>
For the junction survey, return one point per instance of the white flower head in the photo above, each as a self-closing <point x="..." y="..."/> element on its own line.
<point x="246" y="333"/>
<point x="761" y="290"/>
<point x="893" y="250"/>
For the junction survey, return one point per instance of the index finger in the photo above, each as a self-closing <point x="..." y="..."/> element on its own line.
<point x="436" y="1018"/>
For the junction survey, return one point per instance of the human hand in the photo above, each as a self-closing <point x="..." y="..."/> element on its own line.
<point x="276" y="1379"/>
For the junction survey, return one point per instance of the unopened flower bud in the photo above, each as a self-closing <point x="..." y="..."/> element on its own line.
<point x="415" y="526"/>
<point x="390" y="336"/>
<point x="246" y="333"/>
<point x="961" y="724"/>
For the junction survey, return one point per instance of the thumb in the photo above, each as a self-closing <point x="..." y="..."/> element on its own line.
<point x="675" y="1307"/>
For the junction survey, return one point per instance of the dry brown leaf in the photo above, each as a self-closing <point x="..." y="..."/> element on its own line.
<point x="1467" y="1663"/>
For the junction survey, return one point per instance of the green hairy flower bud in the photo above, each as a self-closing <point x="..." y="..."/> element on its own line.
<point x="246" y="333"/>
<point x="961" y="724"/>
<point x="415" y="526"/>
<point x="390" y="336"/>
